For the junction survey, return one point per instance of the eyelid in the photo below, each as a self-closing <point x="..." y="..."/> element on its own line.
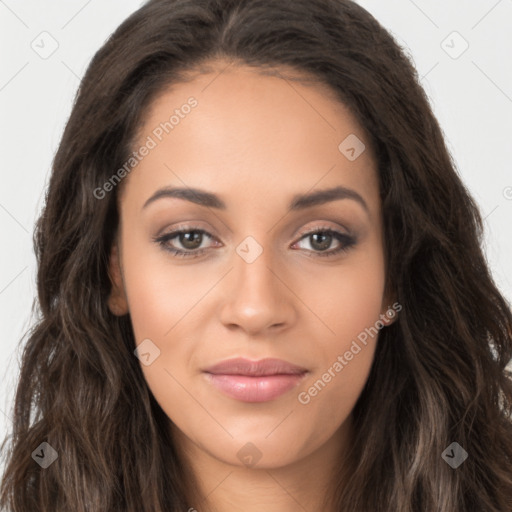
<point x="317" y="227"/>
<point x="301" y="233"/>
<point x="345" y="241"/>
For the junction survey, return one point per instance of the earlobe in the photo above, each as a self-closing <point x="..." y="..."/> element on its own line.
<point x="117" y="301"/>
<point x="389" y="313"/>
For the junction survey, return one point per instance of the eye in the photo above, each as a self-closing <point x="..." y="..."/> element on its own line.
<point x="320" y="239"/>
<point x="191" y="238"/>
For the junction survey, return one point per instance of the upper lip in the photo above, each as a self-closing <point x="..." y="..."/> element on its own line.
<point x="241" y="366"/>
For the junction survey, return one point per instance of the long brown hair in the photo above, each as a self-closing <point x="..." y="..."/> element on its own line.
<point x="439" y="371"/>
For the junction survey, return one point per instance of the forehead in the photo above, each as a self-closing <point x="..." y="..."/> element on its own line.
<point x="245" y="96"/>
<point x="268" y="130"/>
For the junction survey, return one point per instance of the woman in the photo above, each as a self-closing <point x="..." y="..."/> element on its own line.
<point x="261" y="281"/>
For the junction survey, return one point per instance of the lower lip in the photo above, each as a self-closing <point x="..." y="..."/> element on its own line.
<point x="255" y="389"/>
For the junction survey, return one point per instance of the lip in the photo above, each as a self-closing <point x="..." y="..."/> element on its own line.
<point x="255" y="381"/>
<point x="263" y="367"/>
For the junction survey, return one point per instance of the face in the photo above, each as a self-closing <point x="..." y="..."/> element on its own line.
<point x="265" y="268"/>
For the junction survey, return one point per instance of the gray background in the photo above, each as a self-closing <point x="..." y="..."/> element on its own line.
<point x="470" y="91"/>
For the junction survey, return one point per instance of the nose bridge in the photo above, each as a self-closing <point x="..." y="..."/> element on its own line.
<point x="257" y="299"/>
<point x="252" y="267"/>
<point x="255" y="280"/>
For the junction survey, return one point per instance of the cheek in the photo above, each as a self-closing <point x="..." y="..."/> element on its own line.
<point x="160" y="293"/>
<point x="348" y="308"/>
<point x="164" y="309"/>
<point x="346" y="298"/>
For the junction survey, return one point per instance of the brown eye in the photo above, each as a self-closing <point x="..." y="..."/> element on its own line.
<point x="189" y="239"/>
<point x="322" y="239"/>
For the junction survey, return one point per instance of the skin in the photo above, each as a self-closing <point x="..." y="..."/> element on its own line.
<point x="255" y="141"/>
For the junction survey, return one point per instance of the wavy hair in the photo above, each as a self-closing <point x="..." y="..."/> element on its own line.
<point x="439" y="373"/>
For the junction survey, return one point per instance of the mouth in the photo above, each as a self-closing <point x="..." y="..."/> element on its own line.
<point x="255" y="381"/>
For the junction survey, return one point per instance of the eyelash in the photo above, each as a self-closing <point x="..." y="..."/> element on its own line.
<point x="346" y="242"/>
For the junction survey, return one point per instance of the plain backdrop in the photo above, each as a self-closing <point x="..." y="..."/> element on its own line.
<point x="462" y="51"/>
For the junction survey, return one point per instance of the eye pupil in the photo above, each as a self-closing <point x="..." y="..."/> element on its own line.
<point x="191" y="239"/>
<point x="321" y="245"/>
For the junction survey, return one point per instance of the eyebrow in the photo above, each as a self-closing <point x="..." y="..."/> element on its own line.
<point x="298" y="202"/>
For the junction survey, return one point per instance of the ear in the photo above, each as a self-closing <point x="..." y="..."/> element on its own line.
<point x="117" y="300"/>
<point x="390" y="308"/>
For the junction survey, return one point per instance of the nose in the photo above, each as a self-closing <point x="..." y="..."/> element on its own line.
<point x="259" y="299"/>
